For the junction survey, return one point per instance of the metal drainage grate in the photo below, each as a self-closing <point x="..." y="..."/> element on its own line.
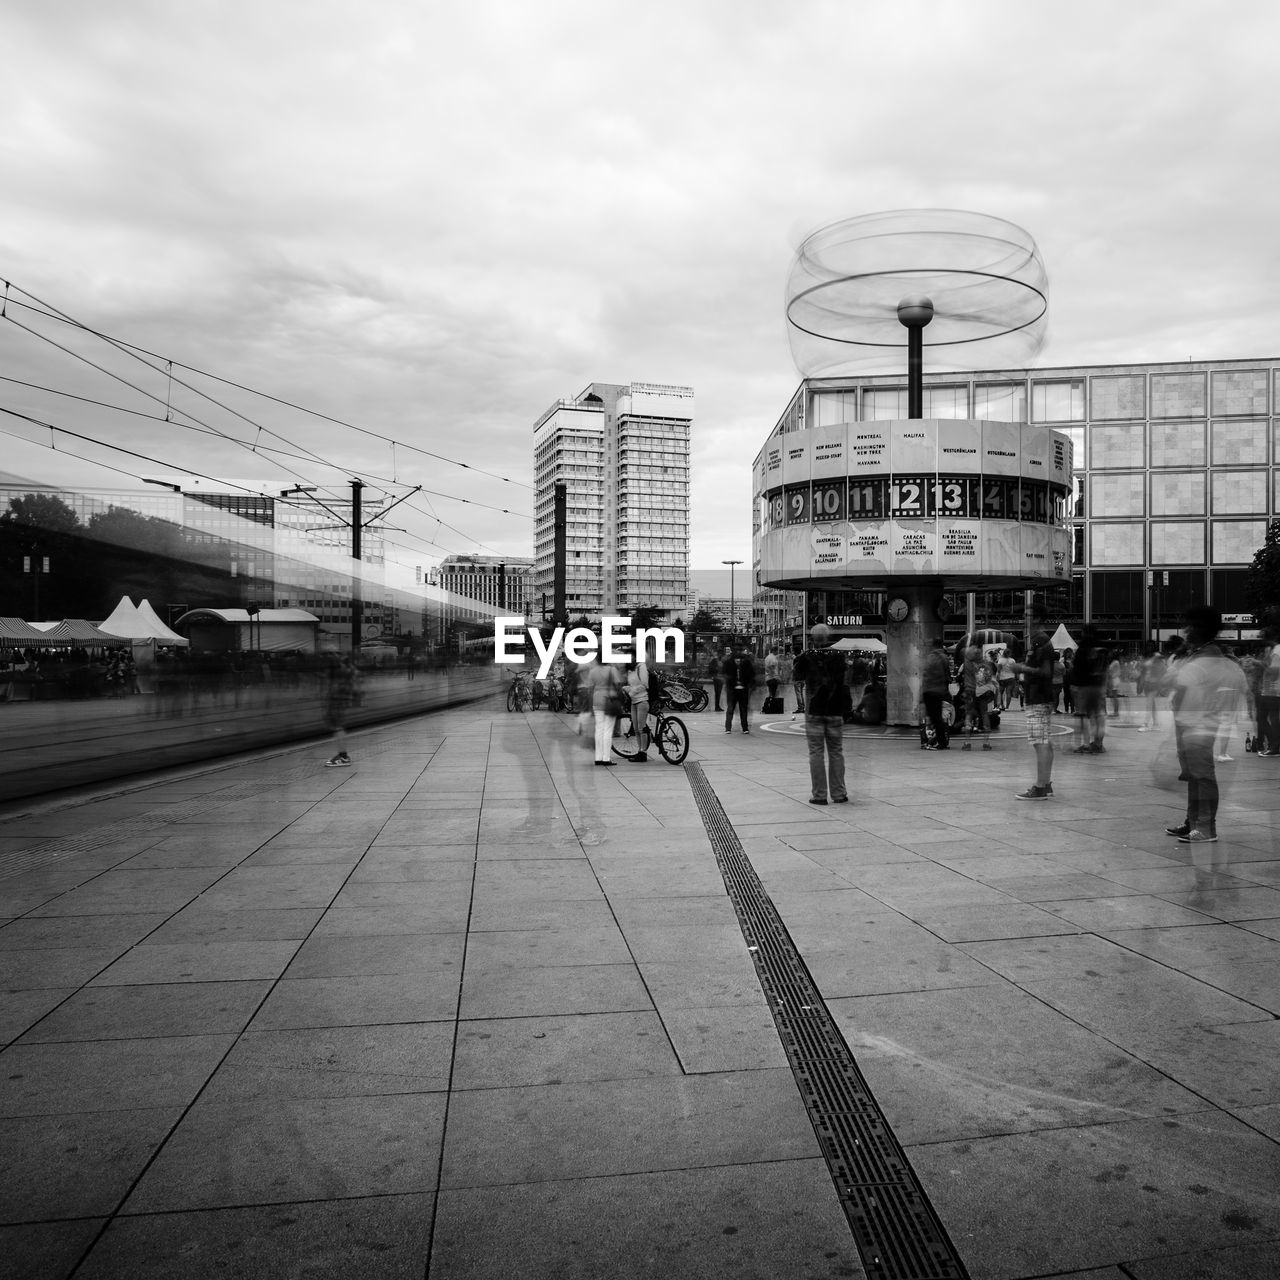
<point x="895" y="1229"/>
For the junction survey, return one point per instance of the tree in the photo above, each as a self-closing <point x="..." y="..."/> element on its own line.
<point x="704" y="623"/>
<point x="41" y="511"/>
<point x="1262" y="587"/>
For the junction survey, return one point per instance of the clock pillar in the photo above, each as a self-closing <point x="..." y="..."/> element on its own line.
<point x="908" y="638"/>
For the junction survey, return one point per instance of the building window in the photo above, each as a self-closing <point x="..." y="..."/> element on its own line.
<point x="884" y="404"/>
<point x="1000" y="401"/>
<point x="946" y="402"/>
<point x="831" y="408"/>
<point x="1058" y="401"/>
<point x="1122" y="495"/>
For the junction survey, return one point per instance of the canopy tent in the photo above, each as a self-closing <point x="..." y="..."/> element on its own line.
<point x="139" y="623"/>
<point x="77" y="632"/>
<point x="860" y="644"/>
<point x="1061" y="639"/>
<point x="16" y="634"/>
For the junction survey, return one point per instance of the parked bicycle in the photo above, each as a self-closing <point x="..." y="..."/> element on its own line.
<point x="520" y="694"/>
<point x="666" y="732"/>
<point x="684" y="694"/>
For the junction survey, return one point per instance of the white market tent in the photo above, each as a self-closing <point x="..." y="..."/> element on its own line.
<point x="860" y="644"/>
<point x="141" y="624"/>
<point x="1061" y="639"/>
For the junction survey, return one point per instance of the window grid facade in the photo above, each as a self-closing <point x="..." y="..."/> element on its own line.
<point x="1177" y="465"/>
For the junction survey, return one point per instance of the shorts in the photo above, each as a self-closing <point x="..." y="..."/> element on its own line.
<point x="1039" y="717"/>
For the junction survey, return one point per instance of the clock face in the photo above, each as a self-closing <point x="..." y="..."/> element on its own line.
<point x="898" y="609"/>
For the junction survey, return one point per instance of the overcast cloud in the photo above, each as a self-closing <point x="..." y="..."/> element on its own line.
<point x="434" y="219"/>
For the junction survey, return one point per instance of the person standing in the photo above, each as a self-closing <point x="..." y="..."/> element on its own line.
<point x="786" y="673"/>
<point x="1268" y="699"/>
<point x="606" y="705"/>
<point x="342" y="693"/>
<point x="827" y="702"/>
<point x="1153" y="673"/>
<point x="1007" y="678"/>
<point x="771" y="672"/>
<point x="935" y="689"/>
<point x="637" y="680"/>
<point x="1037" y="673"/>
<point x="979" y="693"/>
<point x="1090" y="676"/>
<point x="715" y="669"/>
<point x="739" y="674"/>
<point x="1208" y="689"/>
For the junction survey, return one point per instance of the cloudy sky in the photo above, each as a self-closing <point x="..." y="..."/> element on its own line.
<point x="429" y="220"/>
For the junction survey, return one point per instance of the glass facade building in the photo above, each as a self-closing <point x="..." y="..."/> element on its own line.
<point x="1176" y="474"/>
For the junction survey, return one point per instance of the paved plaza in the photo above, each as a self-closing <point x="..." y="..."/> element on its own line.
<point x="476" y="1008"/>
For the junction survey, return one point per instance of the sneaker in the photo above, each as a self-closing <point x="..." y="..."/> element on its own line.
<point x="746" y="731"/>
<point x="728" y="731"/>
<point x="639" y="758"/>
<point x="1220" y="759"/>
<point x="1196" y="836"/>
<point x="841" y="800"/>
<point x="338" y="762"/>
<point x="1034" y="793"/>
<point x="816" y="801"/>
<point x="1182" y="829"/>
<point x="986" y="746"/>
<point x="1097" y="749"/>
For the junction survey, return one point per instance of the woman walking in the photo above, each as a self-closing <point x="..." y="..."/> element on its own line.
<point x="606" y="706"/>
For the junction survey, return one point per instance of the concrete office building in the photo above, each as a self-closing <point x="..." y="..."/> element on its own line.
<point x="500" y="581"/>
<point x="1176" y="473"/>
<point x="622" y="452"/>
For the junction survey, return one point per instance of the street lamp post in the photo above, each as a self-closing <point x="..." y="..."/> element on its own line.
<point x="733" y="621"/>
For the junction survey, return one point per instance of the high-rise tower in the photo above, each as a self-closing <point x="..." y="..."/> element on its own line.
<point x="622" y="453"/>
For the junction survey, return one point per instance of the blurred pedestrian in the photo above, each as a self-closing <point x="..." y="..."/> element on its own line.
<point x="1037" y="673"/>
<point x="935" y="693"/>
<point x="1208" y="688"/>
<point x="341" y="697"/>
<point x="1090" y="675"/>
<point x="606" y="706"/>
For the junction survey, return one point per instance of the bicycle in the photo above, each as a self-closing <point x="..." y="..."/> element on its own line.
<point x="520" y="694"/>
<point x="668" y="734"/>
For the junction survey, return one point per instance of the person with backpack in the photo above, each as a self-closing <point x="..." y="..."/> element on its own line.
<point x="827" y="702"/>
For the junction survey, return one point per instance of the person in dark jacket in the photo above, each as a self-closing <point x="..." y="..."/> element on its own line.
<point x="827" y="702"/>
<point x="935" y="690"/>
<point x="739" y="673"/>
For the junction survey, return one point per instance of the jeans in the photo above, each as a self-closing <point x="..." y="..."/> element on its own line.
<point x="734" y="697"/>
<point x="1195" y="755"/>
<point x="1269" y="722"/>
<point x="826" y="756"/>
<point x="718" y="685"/>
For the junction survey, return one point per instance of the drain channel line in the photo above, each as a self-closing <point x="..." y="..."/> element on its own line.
<point x="895" y="1229"/>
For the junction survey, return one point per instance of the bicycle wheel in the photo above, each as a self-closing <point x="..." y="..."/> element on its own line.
<point x="511" y="698"/>
<point x="626" y="742"/>
<point x="700" y="700"/>
<point x="673" y="739"/>
<point x="537" y="695"/>
<point x="524" y="699"/>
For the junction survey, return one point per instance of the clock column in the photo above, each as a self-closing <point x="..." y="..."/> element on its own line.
<point x="913" y="623"/>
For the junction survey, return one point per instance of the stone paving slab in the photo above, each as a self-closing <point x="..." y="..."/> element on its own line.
<point x="475" y="1001"/>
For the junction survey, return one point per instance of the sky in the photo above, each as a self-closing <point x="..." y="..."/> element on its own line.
<point x="430" y="221"/>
